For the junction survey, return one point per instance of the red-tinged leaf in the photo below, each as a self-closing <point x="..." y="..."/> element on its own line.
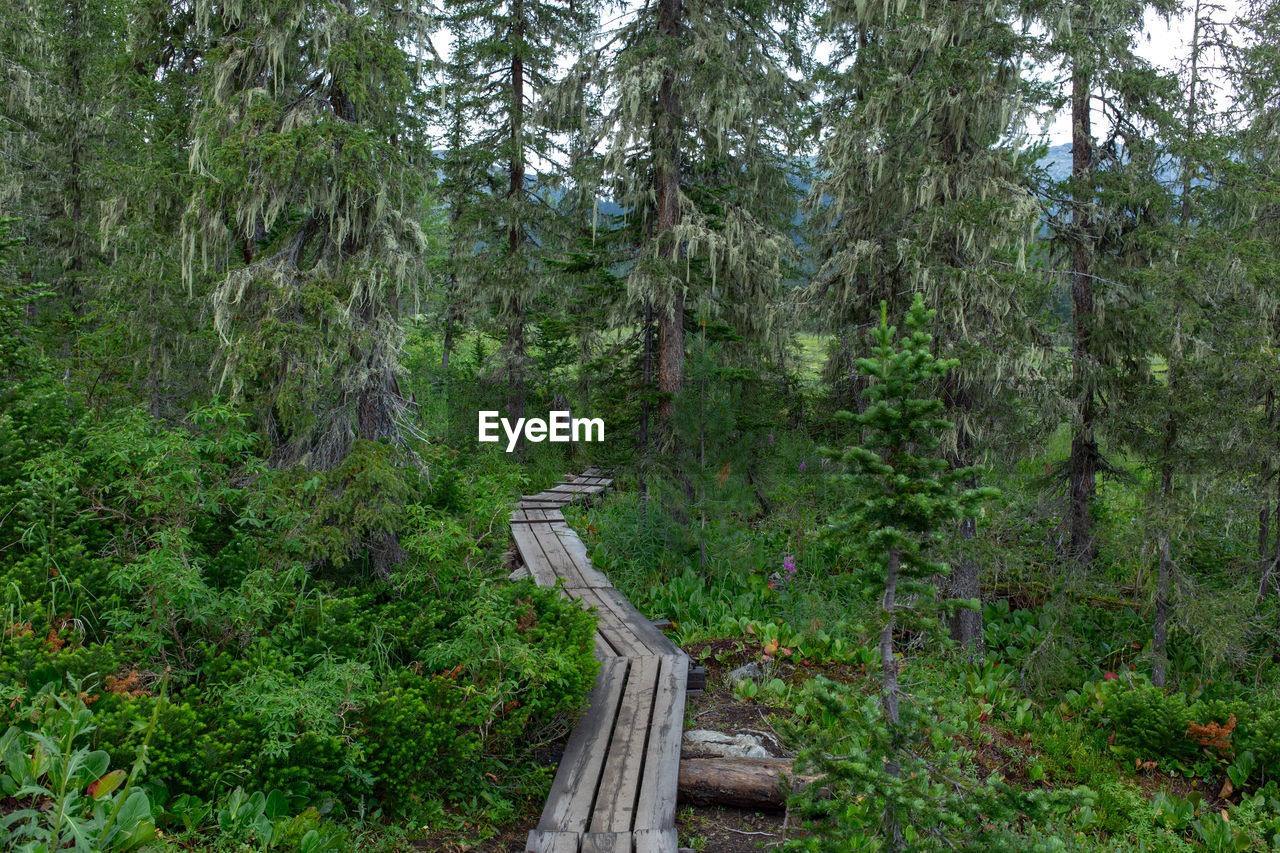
<point x="104" y="786"/>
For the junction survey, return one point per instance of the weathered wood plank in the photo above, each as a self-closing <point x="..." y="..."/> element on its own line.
<point x="656" y="806"/>
<point x="606" y="842"/>
<point x="622" y="639"/>
<point x="644" y="630"/>
<point x="602" y="651"/>
<point x="656" y="840"/>
<point x="573" y="791"/>
<point x="564" y="564"/>
<point x="577" y="551"/>
<point x="574" y="490"/>
<point x="531" y="553"/>
<point x="547" y="497"/>
<point x="545" y="841"/>
<point x="624" y="765"/>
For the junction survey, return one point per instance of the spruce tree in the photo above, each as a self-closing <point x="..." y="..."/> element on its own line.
<point x="905" y="494"/>
<point x="309" y="158"/>
<point x="1250" y="208"/>
<point x="695" y="114"/>
<point x="1093" y="40"/>
<point x="920" y="188"/>
<point x="504" y="58"/>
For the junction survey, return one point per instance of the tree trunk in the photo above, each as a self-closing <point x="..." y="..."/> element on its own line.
<point x="154" y="357"/>
<point x="667" y="168"/>
<point x="1264" y="520"/>
<point x="1160" y="634"/>
<point x="446" y="347"/>
<point x="889" y="696"/>
<point x="1082" y="466"/>
<point x="966" y="624"/>
<point x="515" y="229"/>
<point x="75" y="183"/>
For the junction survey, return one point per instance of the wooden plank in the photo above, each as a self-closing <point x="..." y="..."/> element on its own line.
<point x="656" y="807"/>
<point x="561" y="562"/>
<point x="545" y="497"/>
<point x="625" y="763"/>
<point x="602" y="651"/>
<point x="573" y="792"/>
<point x="615" y="633"/>
<point x="656" y="840"/>
<point x="574" y="491"/>
<point x="640" y="627"/>
<point x="544" y="841"/>
<point x="606" y="842"/>
<point x="532" y="556"/>
<point x="577" y="551"/>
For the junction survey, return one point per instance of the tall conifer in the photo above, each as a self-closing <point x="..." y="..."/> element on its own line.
<point x="310" y="164"/>
<point x="919" y="189"/>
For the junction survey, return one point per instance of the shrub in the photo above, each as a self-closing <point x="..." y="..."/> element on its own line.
<point x="422" y="729"/>
<point x="1151" y="722"/>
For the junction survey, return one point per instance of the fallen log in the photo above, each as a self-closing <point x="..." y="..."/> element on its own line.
<point x="745" y="783"/>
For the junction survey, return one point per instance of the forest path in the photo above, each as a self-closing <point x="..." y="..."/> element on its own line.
<point x="615" y="788"/>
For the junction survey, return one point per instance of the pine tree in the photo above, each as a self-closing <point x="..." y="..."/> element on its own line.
<point x="906" y="493"/>
<point x="310" y="163"/>
<point x="920" y="189"/>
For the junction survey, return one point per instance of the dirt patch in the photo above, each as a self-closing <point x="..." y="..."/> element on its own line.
<point x="723" y="830"/>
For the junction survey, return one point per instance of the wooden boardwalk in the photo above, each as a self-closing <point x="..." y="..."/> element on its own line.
<point x="615" y="789"/>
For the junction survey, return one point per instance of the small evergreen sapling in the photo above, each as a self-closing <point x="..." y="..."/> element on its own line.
<point x="906" y="493"/>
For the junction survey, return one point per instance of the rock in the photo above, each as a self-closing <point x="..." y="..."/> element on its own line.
<point x="742" y="673"/>
<point x="726" y="745"/>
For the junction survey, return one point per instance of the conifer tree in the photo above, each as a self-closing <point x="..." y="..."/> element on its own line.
<point x="154" y="327"/>
<point x="1174" y="420"/>
<point x="310" y="161"/>
<point x="906" y="492"/>
<point x="920" y="189"/>
<point x="1251" y="209"/>
<point x="1093" y="40"/>
<point x="54" y="58"/>
<point x="504" y="57"/>
<point x="690" y="83"/>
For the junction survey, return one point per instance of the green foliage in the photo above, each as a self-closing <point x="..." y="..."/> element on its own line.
<point x="66" y="797"/>
<point x="846" y="735"/>
<point x="424" y="730"/>
<point x="903" y="492"/>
